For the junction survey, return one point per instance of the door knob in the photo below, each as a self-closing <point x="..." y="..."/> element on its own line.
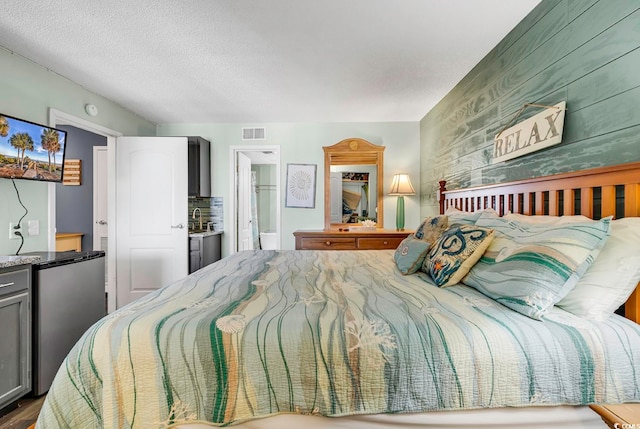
<point x="101" y="222"/>
<point x="178" y="226"/>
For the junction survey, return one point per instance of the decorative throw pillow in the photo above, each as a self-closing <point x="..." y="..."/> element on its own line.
<point x="611" y="278"/>
<point x="410" y="254"/>
<point x="431" y="228"/>
<point x="455" y="252"/>
<point x="614" y="275"/>
<point x="530" y="267"/>
<point x="469" y="218"/>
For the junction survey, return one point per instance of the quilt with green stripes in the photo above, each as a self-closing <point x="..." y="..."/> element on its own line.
<point x="330" y="333"/>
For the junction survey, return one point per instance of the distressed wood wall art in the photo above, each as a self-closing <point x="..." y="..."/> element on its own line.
<point x="538" y="132"/>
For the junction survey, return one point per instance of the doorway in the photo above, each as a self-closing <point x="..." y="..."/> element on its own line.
<point x="75" y="204"/>
<point x="255" y="198"/>
<point x="56" y="119"/>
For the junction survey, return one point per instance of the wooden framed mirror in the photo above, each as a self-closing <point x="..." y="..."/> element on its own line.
<point x="353" y="182"/>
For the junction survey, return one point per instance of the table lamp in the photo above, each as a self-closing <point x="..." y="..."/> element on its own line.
<point x="401" y="186"/>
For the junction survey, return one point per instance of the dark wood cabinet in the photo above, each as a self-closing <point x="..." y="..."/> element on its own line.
<point x="199" y="167"/>
<point x="204" y="249"/>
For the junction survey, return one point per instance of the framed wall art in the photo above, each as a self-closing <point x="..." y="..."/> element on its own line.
<point x="301" y="186"/>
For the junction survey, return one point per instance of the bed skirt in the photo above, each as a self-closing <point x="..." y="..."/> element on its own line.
<point x="565" y="417"/>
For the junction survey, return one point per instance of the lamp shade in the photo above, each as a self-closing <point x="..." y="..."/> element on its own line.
<point x="401" y="185"/>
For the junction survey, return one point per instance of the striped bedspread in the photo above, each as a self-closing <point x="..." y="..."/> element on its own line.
<point x="330" y="333"/>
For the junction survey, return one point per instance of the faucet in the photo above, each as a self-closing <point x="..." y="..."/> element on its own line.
<point x="193" y="216"/>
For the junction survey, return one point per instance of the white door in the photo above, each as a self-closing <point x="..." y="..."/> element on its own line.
<point x="245" y="241"/>
<point x="151" y="214"/>
<point x="100" y="197"/>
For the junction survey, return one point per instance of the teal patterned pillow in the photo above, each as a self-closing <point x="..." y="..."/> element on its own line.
<point x="530" y="267"/>
<point x="410" y="254"/>
<point x="431" y="228"/>
<point x="455" y="252"/>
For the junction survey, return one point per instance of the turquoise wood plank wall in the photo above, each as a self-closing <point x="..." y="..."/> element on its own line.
<point x="582" y="51"/>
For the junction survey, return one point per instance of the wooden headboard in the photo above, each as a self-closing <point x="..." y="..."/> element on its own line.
<point x="595" y="193"/>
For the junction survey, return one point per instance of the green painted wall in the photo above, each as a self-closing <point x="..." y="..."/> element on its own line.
<point x="28" y="91"/>
<point x="582" y="51"/>
<point x="301" y="143"/>
<point x="266" y="197"/>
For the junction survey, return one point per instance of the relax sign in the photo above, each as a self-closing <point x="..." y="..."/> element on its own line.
<point x="537" y="132"/>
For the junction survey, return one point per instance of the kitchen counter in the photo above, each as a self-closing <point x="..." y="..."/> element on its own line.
<point x="11" y="261"/>
<point x="204" y="233"/>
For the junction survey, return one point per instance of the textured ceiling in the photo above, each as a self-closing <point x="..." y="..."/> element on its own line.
<point x="262" y="60"/>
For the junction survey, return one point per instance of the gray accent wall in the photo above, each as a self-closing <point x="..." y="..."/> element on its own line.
<point x="74" y="204"/>
<point x="582" y="51"/>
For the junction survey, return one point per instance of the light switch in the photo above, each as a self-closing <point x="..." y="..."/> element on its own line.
<point x="33" y="227"/>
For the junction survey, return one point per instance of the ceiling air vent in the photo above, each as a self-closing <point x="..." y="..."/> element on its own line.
<point x="253" y="134"/>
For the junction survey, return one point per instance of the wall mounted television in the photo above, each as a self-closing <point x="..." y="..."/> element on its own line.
<point x="31" y="151"/>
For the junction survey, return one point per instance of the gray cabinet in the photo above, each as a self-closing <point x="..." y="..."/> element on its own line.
<point x="204" y="249"/>
<point x="15" y="333"/>
<point x="199" y="167"/>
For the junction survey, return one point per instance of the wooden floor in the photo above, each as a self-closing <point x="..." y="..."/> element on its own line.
<point x="24" y="415"/>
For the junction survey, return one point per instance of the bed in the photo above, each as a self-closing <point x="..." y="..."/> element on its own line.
<point x="344" y="339"/>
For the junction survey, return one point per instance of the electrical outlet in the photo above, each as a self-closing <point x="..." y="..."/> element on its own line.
<point x="13" y="230"/>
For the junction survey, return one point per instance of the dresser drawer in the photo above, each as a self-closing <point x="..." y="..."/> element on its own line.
<point x="376" y="243"/>
<point x="328" y="243"/>
<point x="349" y="239"/>
<point x="14" y="281"/>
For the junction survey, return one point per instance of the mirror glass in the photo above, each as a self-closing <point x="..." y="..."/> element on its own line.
<point x="353" y="183"/>
<point x="351" y="198"/>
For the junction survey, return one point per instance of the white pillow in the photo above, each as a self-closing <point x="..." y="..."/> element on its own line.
<point x="613" y="276"/>
<point x="468" y="218"/>
<point x="546" y="220"/>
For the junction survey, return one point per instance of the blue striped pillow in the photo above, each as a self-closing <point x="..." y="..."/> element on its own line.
<point x="530" y="267"/>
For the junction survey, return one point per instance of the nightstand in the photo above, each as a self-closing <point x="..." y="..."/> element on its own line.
<point x="619" y="416"/>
